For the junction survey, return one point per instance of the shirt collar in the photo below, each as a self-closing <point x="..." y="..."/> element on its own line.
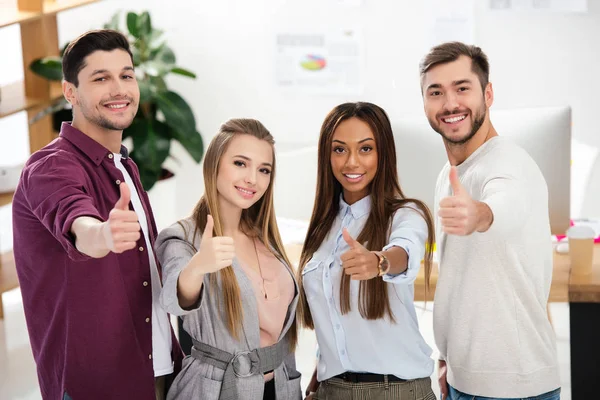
<point x="358" y="209"/>
<point x="88" y="146"/>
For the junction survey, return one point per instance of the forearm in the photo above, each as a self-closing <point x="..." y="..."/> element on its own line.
<point x="89" y="237"/>
<point x="485" y="217"/>
<point x="313" y="385"/>
<point x="398" y="260"/>
<point x="189" y="285"/>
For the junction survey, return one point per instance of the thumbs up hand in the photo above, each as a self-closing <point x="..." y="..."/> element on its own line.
<point x="458" y="212"/>
<point x="122" y="230"/>
<point x="358" y="262"/>
<point x="215" y="253"/>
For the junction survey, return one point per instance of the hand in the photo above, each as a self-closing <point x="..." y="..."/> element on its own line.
<point x="312" y="387"/>
<point x="442" y="371"/>
<point x="215" y="253"/>
<point x="458" y="212"/>
<point x="122" y="230"/>
<point x="358" y="262"/>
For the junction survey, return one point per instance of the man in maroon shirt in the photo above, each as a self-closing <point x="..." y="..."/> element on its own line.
<point x="83" y="235"/>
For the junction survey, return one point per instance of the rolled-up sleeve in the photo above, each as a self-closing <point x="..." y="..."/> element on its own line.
<point x="409" y="232"/>
<point x="55" y="190"/>
<point x="174" y="251"/>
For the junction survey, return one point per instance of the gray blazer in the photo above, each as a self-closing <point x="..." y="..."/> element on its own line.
<point x="199" y="380"/>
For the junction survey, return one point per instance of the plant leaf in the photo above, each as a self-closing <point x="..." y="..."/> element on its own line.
<point x="183" y="72"/>
<point x="155" y="37"/>
<point x="144" y="24"/>
<point x="166" y="56"/>
<point x="145" y="91"/>
<point x="155" y="68"/>
<point x="132" y="24"/>
<point x="158" y="83"/>
<point x="177" y="112"/>
<point x="114" y="22"/>
<point x="192" y="142"/>
<point x="48" y="67"/>
<point x="151" y="145"/>
<point x="136" y="56"/>
<point x="148" y="177"/>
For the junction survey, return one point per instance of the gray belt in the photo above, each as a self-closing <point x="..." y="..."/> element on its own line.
<point x="240" y="365"/>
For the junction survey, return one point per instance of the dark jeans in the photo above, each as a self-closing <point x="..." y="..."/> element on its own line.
<point x="458" y="395"/>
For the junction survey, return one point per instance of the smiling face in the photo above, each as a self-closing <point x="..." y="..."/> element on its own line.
<point x="244" y="172"/>
<point x="454" y="102"/>
<point x="107" y="95"/>
<point x="354" y="158"/>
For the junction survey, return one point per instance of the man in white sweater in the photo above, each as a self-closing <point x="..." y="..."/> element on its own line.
<point x="494" y="243"/>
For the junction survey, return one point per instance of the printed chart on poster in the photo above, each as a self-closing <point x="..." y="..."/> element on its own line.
<point x="328" y="62"/>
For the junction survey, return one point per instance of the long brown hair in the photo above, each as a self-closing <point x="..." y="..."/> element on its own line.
<point x="386" y="199"/>
<point x="258" y="221"/>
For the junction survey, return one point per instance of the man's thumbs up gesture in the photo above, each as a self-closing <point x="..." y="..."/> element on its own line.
<point x="122" y="230"/>
<point x="459" y="212"/>
<point x="358" y="262"/>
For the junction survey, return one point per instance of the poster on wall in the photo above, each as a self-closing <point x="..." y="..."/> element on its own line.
<point x="448" y="21"/>
<point x="564" y="6"/>
<point x="319" y="62"/>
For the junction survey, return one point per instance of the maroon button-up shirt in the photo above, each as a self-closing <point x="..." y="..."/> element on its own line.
<point x="87" y="318"/>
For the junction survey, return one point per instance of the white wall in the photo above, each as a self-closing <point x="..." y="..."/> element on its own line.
<point x="536" y="59"/>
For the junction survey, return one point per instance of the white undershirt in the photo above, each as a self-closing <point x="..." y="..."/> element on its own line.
<point x="161" y="332"/>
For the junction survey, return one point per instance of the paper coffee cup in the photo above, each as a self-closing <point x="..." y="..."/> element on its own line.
<point x="581" y="249"/>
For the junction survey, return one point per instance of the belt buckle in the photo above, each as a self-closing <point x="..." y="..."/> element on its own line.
<point x="252" y="359"/>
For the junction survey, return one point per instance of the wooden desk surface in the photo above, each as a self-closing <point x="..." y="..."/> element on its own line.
<point x="559" y="291"/>
<point x="586" y="289"/>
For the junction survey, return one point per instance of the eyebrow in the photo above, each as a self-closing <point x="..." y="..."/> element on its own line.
<point x="454" y="83"/>
<point x="360" y="141"/>
<point x="249" y="159"/>
<point x="103" y="71"/>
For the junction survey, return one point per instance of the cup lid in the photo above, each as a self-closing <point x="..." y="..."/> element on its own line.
<point x="580" y="232"/>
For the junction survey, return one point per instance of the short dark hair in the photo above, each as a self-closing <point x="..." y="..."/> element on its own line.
<point x="451" y="51"/>
<point x="74" y="56"/>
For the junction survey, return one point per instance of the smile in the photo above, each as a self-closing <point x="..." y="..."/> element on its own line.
<point x="353" y="178"/>
<point x="454" y="120"/>
<point x="246" y="193"/>
<point x="120" y="106"/>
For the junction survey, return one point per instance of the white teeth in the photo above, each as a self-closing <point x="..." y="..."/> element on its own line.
<point x="455" y="119"/>
<point x="245" y="191"/>
<point x="117" y="105"/>
<point x="353" y="176"/>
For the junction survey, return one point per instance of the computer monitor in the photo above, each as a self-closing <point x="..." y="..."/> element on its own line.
<point x="545" y="133"/>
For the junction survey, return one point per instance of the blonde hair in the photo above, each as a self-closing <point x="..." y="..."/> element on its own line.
<point x="258" y="221"/>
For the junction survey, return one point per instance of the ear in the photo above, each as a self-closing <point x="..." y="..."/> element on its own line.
<point x="489" y="95"/>
<point x="69" y="91"/>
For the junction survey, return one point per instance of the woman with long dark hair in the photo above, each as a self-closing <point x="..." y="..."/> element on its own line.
<point x="362" y="253"/>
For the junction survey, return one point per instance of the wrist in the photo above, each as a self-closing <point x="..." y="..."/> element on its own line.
<point x="196" y="269"/>
<point x="485" y="217"/>
<point x="383" y="264"/>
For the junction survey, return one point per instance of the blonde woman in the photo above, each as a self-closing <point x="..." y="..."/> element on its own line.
<point x="227" y="275"/>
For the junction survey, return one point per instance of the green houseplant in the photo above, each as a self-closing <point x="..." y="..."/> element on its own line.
<point x="163" y="115"/>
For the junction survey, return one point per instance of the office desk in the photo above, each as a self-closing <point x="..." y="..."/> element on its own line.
<point x="559" y="291"/>
<point x="584" y="315"/>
